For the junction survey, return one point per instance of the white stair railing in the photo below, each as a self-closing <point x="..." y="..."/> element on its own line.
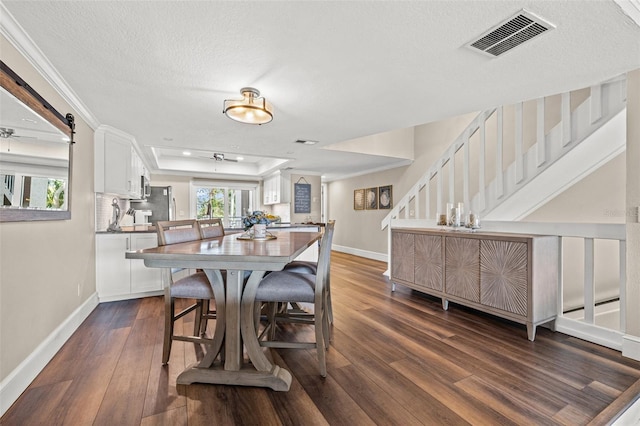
<point x="604" y="102"/>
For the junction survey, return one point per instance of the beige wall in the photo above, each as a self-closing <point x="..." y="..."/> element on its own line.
<point x="360" y="229"/>
<point x="47" y="269"/>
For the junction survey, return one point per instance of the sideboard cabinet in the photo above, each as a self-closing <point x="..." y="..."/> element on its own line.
<point x="513" y="276"/>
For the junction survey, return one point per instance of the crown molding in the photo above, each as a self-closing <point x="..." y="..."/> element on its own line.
<point x="16" y="35"/>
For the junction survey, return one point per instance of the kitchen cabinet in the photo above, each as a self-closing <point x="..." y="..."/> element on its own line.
<point x="512" y="276"/>
<point x="118" y="278"/>
<point x="277" y="188"/>
<point x="118" y="167"/>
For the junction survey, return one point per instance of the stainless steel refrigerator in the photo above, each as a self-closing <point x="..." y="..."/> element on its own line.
<point x="160" y="202"/>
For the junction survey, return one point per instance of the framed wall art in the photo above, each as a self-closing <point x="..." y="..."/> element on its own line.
<point x="371" y="195"/>
<point x="358" y="199"/>
<point x="385" y="197"/>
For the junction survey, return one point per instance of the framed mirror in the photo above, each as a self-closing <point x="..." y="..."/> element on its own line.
<point x="35" y="154"/>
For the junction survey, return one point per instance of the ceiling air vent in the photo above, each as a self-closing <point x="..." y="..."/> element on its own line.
<point x="505" y="36"/>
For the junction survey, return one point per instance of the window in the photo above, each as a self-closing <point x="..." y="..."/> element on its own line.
<point x="224" y="200"/>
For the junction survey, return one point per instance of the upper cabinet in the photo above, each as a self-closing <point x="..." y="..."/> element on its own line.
<point x="277" y="188"/>
<point x="118" y="167"/>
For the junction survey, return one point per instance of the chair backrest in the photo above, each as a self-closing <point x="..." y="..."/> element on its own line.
<point x="324" y="257"/>
<point x="177" y="231"/>
<point x="211" y="228"/>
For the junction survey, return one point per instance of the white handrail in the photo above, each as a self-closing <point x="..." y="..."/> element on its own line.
<point x="527" y="164"/>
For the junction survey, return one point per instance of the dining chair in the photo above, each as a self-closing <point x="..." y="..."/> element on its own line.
<point x="310" y="267"/>
<point x="281" y="287"/>
<point x="211" y="228"/>
<point x="195" y="286"/>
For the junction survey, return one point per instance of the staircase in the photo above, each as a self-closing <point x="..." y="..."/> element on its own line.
<point x="586" y="136"/>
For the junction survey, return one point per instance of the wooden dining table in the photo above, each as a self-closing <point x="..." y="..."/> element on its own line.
<point x="235" y="329"/>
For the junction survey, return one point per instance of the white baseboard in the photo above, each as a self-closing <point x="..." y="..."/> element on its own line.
<point x="589" y="332"/>
<point x="631" y="347"/>
<point x="129" y="296"/>
<point x="362" y="253"/>
<point x="20" y="378"/>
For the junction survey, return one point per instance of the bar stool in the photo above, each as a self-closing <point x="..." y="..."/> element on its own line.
<point x="310" y="267"/>
<point x="193" y="286"/>
<point x="291" y="287"/>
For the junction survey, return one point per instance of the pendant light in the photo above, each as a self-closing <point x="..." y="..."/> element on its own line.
<point x="251" y="109"/>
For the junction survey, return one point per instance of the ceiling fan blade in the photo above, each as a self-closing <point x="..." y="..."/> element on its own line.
<point x="231" y="160"/>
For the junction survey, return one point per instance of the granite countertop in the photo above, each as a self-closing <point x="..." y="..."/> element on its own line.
<point x="151" y="228"/>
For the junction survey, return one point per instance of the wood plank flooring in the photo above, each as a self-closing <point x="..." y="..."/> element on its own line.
<point x="396" y="359"/>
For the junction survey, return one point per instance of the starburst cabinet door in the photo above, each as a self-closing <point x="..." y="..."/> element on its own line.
<point x="402" y="249"/>
<point x="504" y="275"/>
<point x="462" y="268"/>
<point x="428" y="261"/>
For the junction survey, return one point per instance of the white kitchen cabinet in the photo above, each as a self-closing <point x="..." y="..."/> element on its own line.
<point x="118" y="278"/>
<point x="277" y="188"/>
<point x="118" y="167"/>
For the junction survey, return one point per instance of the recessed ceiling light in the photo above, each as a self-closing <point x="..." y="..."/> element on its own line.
<point x="28" y="120"/>
<point x="306" y="142"/>
<point x="186" y="153"/>
<point x="239" y="158"/>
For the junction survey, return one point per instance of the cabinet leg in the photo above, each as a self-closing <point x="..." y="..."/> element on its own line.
<point x="445" y="304"/>
<point x="531" y="331"/>
<point x="393" y="287"/>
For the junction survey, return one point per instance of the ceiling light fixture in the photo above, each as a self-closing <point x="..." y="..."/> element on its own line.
<point x="251" y="109"/>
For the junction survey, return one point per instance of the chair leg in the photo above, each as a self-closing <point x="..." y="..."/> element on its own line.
<point x="329" y="307"/>
<point x="326" y="327"/>
<point x="272" y="308"/>
<point x="198" y="319"/>
<point x="168" y="328"/>
<point x="205" y="317"/>
<point x="321" y="347"/>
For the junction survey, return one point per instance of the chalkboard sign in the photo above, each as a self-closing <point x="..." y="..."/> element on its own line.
<point x="302" y="197"/>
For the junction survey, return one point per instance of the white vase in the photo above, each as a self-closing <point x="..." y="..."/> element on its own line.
<point x="259" y="230"/>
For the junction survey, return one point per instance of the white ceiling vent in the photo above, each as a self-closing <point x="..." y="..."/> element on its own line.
<point x="513" y="32"/>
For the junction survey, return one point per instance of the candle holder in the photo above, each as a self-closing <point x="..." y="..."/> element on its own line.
<point x="473" y="221"/>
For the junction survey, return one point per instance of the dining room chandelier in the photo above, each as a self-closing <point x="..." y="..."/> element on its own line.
<point x="251" y="109"/>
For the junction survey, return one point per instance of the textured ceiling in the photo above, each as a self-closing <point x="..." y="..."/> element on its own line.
<point x="334" y="71"/>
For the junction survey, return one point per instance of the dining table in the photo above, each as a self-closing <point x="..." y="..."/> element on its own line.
<point x="235" y="330"/>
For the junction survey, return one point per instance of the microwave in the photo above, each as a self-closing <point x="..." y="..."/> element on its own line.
<point x="145" y="187"/>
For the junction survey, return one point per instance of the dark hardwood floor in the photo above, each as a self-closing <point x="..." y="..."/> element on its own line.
<point x="396" y="359"/>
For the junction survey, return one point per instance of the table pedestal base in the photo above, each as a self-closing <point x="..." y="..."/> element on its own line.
<point x="277" y="379"/>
